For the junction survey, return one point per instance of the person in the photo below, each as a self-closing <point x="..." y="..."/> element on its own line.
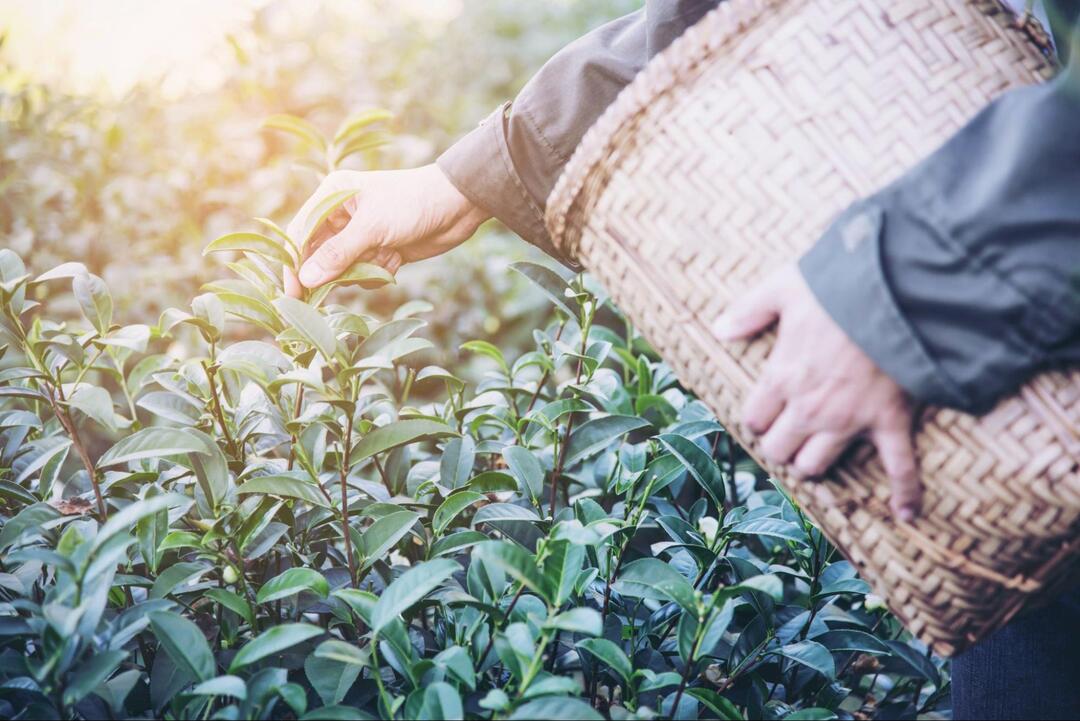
<point x="963" y="279"/>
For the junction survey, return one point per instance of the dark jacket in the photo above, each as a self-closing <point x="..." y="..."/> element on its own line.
<point x="969" y="279"/>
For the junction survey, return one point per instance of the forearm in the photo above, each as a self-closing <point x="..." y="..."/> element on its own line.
<point x="963" y="278"/>
<point x="510" y="163"/>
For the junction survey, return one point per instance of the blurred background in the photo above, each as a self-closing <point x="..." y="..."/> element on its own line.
<point x="130" y="132"/>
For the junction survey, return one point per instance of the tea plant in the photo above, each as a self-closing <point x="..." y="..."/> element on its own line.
<point x="292" y="520"/>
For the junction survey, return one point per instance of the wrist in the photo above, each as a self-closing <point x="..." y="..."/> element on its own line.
<point x="463" y="215"/>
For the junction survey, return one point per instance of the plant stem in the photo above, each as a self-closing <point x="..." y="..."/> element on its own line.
<point x="509" y="610"/>
<point x="346" y="448"/>
<point x="218" y="414"/>
<point x="382" y="475"/>
<point x="297" y="406"/>
<point x="546" y="374"/>
<point x="80" y="449"/>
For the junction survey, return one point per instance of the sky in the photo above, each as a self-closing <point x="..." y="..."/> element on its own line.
<point x="108" y="46"/>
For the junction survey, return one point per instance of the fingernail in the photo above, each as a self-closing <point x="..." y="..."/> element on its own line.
<point x="724" y="328"/>
<point x="311" y="275"/>
<point x="906" y="514"/>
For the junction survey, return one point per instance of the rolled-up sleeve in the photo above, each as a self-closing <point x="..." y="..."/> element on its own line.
<point x="509" y="164"/>
<point x="962" y="279"/>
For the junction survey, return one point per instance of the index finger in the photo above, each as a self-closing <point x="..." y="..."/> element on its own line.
<point x="897" y="451"/>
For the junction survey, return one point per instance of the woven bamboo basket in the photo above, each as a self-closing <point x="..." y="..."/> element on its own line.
<point x="727" y="157"/>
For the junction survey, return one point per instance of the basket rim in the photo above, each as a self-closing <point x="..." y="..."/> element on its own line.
<point x="660" y="76"/>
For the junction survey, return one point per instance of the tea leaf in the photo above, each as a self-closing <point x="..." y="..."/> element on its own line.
<point x="272" y="641"/>
<point x="184" y="643"/>
<point x="396" y="434"/>
<point x="285" y="487"/>
<point x="256" y="243"/>
<point x="307" y="321"/>
<point x="292" y="582"/>
<point x="610" y="654"/>
<point x="151" y="443"/>
<point x="408" y="589"/>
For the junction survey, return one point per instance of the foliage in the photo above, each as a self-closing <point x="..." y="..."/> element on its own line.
<point x="275" y="531"/>
<point x="262" y="507"/>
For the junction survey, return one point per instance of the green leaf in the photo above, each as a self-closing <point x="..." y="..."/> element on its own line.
<point x="855" y="586"/>
<point x="438" y="701"/>
<point x="562" y="567"/>
<point x="456" y="464"/>
<point x="451" y="507"/>
<point x="700" y="464"/>
<point x="333" y="669"/>
<point x="771" y="527"/>
<point x="585" y="621"/>
<point x="716" y="703"/>
<point x="184" y="643"/>
<point x="170" y="407"/>
<point x="456" y="543"/>
<point x="151" y="443"/>
<point x="360" y="122"/>
<point x="320" y="212"/>
<point x="496" y="512"/>
<point x="812" y="655"/>
<point x="851" y="640"/>
<point x="285" y="487"/>
<point x="652" y="578"/>
<point x="123" y="520"/>
<point x="458" y="663"/>
<point x="222" y="686"/>
<point x="545" y="417"/>
<point x="526" y="469"/>
<point x="597" y="434"/>
<point x="609" y="654"/>
<point x="366" y="275"/>
<point x="94" y="299"/>
<point x="484" y="348"/>
<point x="292" y="582"/>
<point x="233" y="602"/>
<point x="274" y="641"/>
<point x="493" y="482"/>
<point x="409" y="588"/>
<point x="342" y="652"/>
<point x="256" y="243"/>
<point x="556" y="708"/>
<point x="309" y="323"/>
<point x="176" y="576"/>
<point x="516" y="563"/>
<point x="91" y="674"/>
<point x="64" y="270"/>
<point x="131" y="337"/>
<point x="96" y="403"/>
<point x="917" y="664"/>
<point x="550" y="284"/>
<point x="396" y="434"/>
<point x="384" y="534"/>
<point x="297" y="127"/>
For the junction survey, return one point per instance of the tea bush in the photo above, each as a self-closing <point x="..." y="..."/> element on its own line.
<point x="286" y="516"/>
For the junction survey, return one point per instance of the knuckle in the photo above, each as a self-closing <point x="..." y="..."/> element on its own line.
<point x="331" y="254"/>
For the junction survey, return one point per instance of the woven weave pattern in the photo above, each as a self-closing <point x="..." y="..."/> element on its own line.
<point x="726" y="158"/>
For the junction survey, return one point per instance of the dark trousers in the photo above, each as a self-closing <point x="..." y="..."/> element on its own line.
<point x="1028" y="670"/>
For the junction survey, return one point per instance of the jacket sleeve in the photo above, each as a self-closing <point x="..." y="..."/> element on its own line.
<point x="962" y="279"/>
<point x="509" y="164"/>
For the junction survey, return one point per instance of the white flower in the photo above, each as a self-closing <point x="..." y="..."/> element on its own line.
<point x="708" y="527"/>
<point x="874" y="602"/>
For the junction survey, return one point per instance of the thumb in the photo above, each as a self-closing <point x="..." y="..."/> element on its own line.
<point x="752" y="313"/>
<point x="334" y="256"/>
